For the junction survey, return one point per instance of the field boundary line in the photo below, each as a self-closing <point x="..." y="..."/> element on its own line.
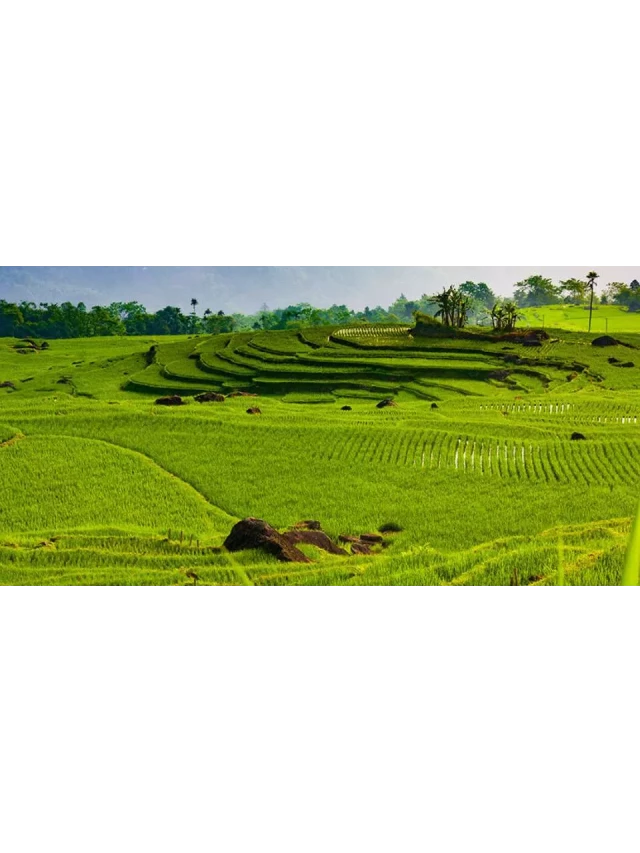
<point x="148" y="459"/>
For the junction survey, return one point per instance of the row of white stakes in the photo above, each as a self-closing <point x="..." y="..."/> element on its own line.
<point x="560" y="408"/>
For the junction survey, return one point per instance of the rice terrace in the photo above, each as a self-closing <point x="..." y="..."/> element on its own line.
<point x="416" y="452"/>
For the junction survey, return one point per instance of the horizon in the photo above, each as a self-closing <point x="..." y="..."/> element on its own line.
<point x="245" y="289"/>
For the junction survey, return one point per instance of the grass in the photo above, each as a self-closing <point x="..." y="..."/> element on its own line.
<point x="98" y="485"/>
<point x="607" y="319"/>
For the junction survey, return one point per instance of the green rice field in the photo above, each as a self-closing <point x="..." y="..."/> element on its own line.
<point x="472" y="474"/>
<point x="606" y="319"/>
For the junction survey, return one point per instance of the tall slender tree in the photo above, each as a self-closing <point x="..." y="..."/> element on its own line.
<point x="591" y="279"/>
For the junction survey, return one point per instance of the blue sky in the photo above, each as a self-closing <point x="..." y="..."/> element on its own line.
<point x="245" y="289"/>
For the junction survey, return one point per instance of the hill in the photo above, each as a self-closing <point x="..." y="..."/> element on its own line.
<point x="472" y="475"/>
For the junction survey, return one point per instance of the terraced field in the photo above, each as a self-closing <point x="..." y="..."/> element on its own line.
<point x="474" y="467"/>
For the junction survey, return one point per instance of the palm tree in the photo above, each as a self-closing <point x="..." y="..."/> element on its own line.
<point x="591" y="278"/>
<point x="194" y="302"/>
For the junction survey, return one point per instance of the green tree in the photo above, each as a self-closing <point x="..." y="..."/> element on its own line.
<point x="575" y="290"/>
<point x="444" y="304"/>
<point x="535" y="290"/>
<point x="510" y="314"/>
<point x="480" y="292"/>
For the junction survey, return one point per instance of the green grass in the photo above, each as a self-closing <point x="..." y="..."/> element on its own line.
<point x="100" y="486"/>
<point x="611" y="319"/>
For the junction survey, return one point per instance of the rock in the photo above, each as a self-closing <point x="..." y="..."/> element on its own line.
<point x="577" y="436"/>
<point x="210" y="397"/>
<point x="7" y="384"/>
<point x="314" y="537"/>
<point x="345" y="409"/>
<point x="241" y="394"/>
<point x="499" y="375"/>
<point x="434" y="405"/>
<point x="173" y="400"/>
<point x="605" y="341"/>
<point x="372" y="538"/>
<point x="627" y="364"/>
<point x="362" y="544"/>
<point x="613" y="360"/>
<point x="254" y="410"/>
<point x="256" y="533"/>
<point x="383" y="404"/>
<point x="308" y="524"/>
<point x="360" y="548"/>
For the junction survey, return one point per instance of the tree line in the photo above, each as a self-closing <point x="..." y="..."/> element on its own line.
<point x="66" y="320"/>
<point x="455" y="306"/>
<point x="538" y="290"/>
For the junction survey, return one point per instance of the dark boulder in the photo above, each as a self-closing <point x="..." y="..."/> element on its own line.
<point x="364" y="543"/>
<point x="173" y="400"/>
<point x="434" y="405"/>
<point x="627" y="364"/>
<point x="210" y="397"/>
<point x="499" y="375"/>
<point x="346" y="409"/>
<point x="255" y="533"/>
<point x="613" y="360"/>
<point x="359" y="547"/>
<point x="314" y="537"/>
<point x="383" y="404"/>
<point x="254" y="410"/>
<point x="605" y="341"/>
<point x="577" y="436"/>
<point x="7" y="384"/>
<point x="308" y="524"/>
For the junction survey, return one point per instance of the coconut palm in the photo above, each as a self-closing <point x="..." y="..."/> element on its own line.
<point x="591" y="278"/>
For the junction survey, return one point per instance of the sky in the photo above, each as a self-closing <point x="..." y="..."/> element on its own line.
<point x="246" y="289"/>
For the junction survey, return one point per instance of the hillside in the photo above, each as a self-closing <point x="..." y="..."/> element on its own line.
<point x="474" y="467"/>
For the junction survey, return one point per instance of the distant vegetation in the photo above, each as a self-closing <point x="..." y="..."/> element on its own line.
<point x="456" y="306"/>
<point x="66" y="320"/>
